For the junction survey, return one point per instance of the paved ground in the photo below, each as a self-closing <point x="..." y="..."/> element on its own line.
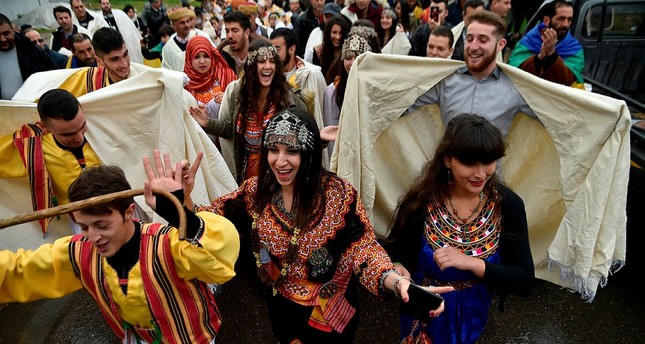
<point x="550" y="315"/>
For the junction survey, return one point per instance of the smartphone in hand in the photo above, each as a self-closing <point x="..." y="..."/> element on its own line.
<point x="421" y="302"/>
<point x="434" y="13"/>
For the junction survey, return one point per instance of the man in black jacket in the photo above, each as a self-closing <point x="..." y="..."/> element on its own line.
<point x="19" y="58"/>
<point x="307" y="21"/>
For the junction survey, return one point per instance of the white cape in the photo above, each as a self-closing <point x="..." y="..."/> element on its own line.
<point x="571" y="171"/>
<point x="126" y="122"/>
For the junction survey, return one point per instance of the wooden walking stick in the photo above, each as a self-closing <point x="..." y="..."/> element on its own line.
<point x="78" y="205"/>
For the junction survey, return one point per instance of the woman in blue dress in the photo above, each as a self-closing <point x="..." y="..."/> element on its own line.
<point x="459" y="226"/>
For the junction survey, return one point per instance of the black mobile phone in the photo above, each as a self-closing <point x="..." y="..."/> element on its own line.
<point x="434" y="13"/>
<point x="421" y="302"/>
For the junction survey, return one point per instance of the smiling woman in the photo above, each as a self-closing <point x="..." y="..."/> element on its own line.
<point x="246" y="108"/>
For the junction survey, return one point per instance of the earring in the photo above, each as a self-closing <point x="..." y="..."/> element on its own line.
<point x="449" y="177"/>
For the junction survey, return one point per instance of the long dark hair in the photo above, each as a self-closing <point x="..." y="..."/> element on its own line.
<point x="328" y="55"/>
<point x="250" y="86"/>
<point x="380" y="31"/>
<point x="308" y="188"/>
<point x="404" y="19"/>
<point x="470" y="139"/>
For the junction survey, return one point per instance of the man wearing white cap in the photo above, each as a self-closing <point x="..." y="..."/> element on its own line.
<point x="173" y="53"/>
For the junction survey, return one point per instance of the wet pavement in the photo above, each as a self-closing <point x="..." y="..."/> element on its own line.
<point x="550" y="314"/>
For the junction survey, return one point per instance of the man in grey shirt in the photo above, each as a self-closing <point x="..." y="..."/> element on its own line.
<point x="19" y="59"/>
<point x="480" y="87"/>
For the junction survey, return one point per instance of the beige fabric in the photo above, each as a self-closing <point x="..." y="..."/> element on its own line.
<point x="571" y="170"/>
<point x="130" y="33"/>
<point x="398" y="45"/>
<point x="310" y="77"/>
<point x="126" y="121"/>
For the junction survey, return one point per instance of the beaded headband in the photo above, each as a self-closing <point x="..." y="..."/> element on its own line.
<point x="363" y="31"/>
<point x="356" y="44"/>
<point x="261" y="54"/>
<point x="288" y="129"/>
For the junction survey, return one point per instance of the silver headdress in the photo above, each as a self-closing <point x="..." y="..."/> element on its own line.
<point x="356" y="44"/>
<point x="288" y="129"/>
<point x="261" y="54"/>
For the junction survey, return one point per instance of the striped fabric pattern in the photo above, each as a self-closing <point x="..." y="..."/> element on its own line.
<point x="96" y="79"/>
<point x="183" y="311"/>
<point x="29" y="143"/>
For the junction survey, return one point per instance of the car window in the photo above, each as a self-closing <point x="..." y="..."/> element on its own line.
<point x="621" y="21"/>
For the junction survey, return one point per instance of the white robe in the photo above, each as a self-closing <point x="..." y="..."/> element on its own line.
<point x="172" y="57"/>
<point x="571" y="171"/>
<point x="398" y="45"/>
<point x="131" y="35"/>
<point x="126" y="121"/>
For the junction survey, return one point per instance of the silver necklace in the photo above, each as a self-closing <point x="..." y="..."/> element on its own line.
<point x="473" y="212"/>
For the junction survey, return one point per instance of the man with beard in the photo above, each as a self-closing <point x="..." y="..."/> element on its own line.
<point x="549" y="50"/>
<point x="479" y="87"/>
<point x="300" y="75"/>
<point x="19" y="58"/>
<point x="113" y="61"/>
<point x="83" y="51"/>
<point x="238" y="38"/>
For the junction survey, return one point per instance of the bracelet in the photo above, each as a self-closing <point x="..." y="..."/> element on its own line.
<point x="396" y="284"/>
<point x="384" y="276"/>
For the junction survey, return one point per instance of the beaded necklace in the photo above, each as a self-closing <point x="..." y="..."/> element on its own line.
<point x="464" y="220"/>
<point x="261" y="252"/>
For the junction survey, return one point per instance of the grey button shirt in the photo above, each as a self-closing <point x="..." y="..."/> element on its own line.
<point x="495" y="98"/>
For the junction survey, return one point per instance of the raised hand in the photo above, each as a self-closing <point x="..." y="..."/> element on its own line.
<point x="200" y="115"/>
<point x="549" y="40"/>
<point x="164" y="176"/>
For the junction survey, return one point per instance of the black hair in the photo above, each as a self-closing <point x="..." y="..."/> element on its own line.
<point x="5" y="20"/>
<point x="57" y="104"/>
<point x="307" y="183"/>
<point x="443" y="31"/>
<point x="62" y="9"/>
<point x="127" y="8"/>
<point x="165" y="30"/>
<point x="238" y="17"/>
<point x="551" y="8"/>
<point x="468" y="138"/>
<point x="473" y="4"/>
<point x="288" y="35"/>
<point x="79" y="37"/>
<point x="105" y="40"/>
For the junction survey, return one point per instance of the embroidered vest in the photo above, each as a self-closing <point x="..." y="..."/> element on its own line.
<point x="183" y="311"/>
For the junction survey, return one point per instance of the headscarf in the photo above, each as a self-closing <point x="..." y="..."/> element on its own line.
<point x="220" y="70"/>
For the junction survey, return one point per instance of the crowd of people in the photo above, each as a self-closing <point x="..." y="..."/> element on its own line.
<point x="267" y="82"/>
